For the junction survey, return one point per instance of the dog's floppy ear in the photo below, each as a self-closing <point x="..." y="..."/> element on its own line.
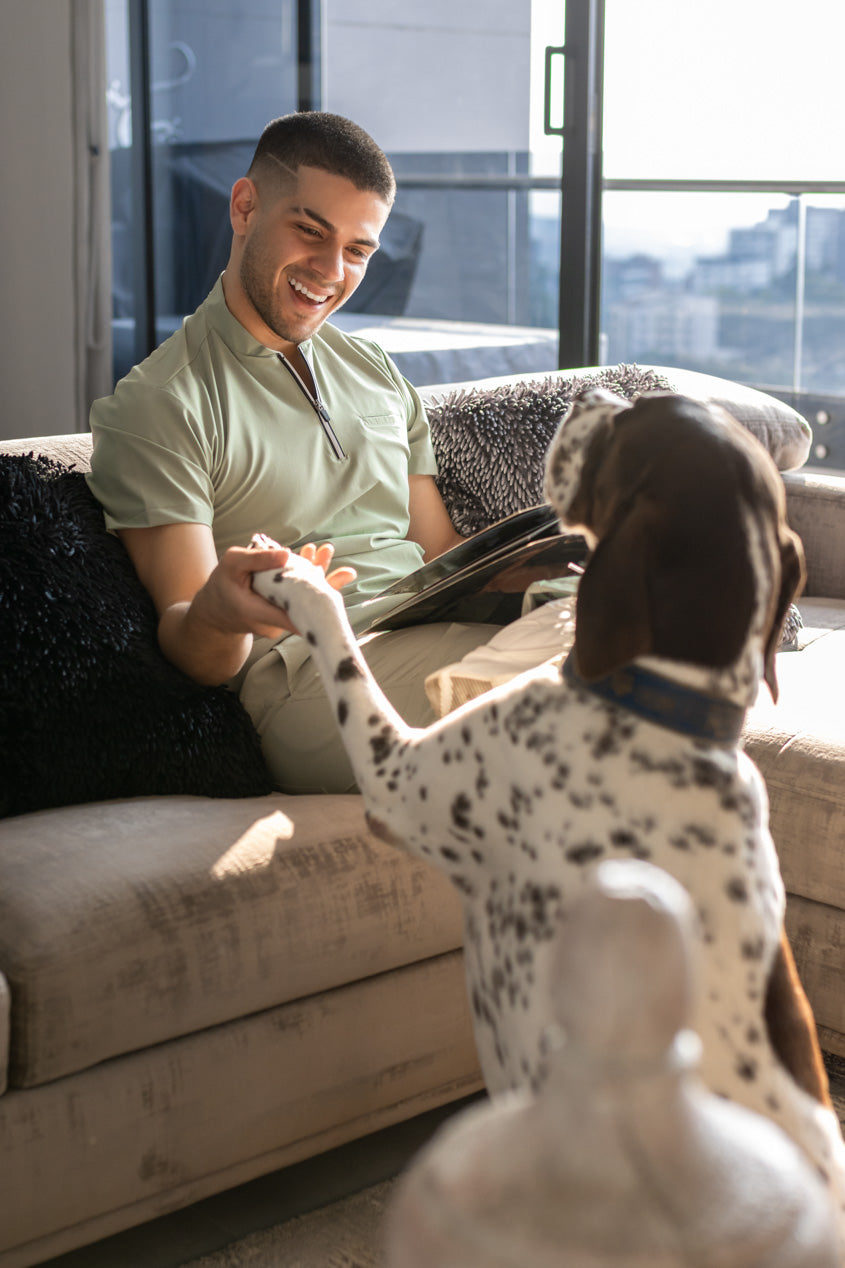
<point x="576" y="454"/>
<point x="613" y="623"/>
<point x="792" y="576"/>
<point x="692" y="542"/>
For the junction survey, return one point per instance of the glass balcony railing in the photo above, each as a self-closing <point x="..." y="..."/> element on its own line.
<point x="746" y="281"/>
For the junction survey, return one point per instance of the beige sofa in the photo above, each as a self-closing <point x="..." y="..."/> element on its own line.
<point x="198" y="990"/>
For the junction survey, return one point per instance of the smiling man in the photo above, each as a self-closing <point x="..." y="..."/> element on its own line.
<point x="257" y="417"/>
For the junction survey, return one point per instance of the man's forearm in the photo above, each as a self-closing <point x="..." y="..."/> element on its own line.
<point x="205" y="653"/>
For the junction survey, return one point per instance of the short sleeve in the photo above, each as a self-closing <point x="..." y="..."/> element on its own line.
<point x="151" y="462"/>
<point x="422" y="460"/>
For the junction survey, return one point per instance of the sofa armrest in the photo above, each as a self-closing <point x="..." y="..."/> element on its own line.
<point x="815" y="506"/>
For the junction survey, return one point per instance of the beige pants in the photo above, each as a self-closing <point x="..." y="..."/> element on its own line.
<point x="300" y="737"/>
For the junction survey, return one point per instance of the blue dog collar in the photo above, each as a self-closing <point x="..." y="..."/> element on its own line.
<point x="664" y="702"/>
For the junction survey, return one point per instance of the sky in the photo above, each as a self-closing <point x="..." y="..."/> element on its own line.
<point x="707" y="89"/>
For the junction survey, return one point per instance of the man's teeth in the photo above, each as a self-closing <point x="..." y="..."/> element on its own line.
<point x="303" y="290"/>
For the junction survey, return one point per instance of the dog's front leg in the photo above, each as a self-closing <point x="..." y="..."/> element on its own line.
<point x="377" y="739"/>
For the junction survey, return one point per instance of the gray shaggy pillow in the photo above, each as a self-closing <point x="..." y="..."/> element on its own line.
<point x="490" y="443"/>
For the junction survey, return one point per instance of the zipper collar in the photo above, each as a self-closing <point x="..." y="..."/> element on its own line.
<point x="315" y="400"/>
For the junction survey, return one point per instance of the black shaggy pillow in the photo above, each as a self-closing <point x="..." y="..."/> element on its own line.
<point x="490" y="443"/>
<point x="89" y="707"/>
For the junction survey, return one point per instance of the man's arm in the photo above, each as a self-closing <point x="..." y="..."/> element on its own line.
<point x="430" y="525"/>
<point x="208" y="611"/>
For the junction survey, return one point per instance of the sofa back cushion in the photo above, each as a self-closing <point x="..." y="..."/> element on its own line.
<point x="491" y="436"/>
<point x="73" y="450"/>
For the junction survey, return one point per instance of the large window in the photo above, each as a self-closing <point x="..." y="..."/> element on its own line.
<point x="703" y="195"/>
<point x="190" y="86"/>
<point x="453" y="93"/>
<point x="723" y="206"/>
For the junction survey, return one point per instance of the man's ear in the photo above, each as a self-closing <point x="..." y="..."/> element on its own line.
<point x="243" y="203"/>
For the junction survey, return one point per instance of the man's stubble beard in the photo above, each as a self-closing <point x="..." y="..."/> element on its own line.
<point x="260" y="293"/>
<point x="259" y="289"/>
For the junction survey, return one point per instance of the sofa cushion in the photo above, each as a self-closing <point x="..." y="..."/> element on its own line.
<point x="126" y="923"/>
<point x="74" y="450"/>
<point x="89" y="707"/>
<point x="799" y="743"/>
<point x="799" y="746"/>
<point x="140" y="1137"/>
<point x="490" y="437"/>
<point x="815" y="507"/>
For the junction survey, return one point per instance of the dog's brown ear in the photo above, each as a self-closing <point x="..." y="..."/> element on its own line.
<point x="613" y="618"/>
<point x="792" y="1028"/>
<point x="792" y="576"/>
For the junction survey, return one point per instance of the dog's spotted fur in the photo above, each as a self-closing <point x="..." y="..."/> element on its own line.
<point x="520" y="793"/>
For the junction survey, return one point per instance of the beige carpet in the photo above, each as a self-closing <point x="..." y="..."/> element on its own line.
<point x="345" y="1234"/>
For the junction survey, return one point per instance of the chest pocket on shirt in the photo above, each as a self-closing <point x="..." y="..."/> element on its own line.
<point x="384" y="422"/>
<point x="387" y="434"/>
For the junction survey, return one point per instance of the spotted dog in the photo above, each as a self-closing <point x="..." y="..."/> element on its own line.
<point x="630" y="752"/>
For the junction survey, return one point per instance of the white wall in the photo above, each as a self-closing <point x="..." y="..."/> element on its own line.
<point x="37" y="362"/>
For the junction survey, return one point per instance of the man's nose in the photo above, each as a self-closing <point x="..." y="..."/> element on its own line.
<point x="327" y="260"/>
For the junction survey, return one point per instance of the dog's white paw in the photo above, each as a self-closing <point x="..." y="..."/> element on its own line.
<point x="299" y="588"/>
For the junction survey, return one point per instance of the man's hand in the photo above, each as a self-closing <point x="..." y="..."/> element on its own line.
<point x="208" y="610"/>
<point x="319" y="556"/>
<point x="227" y="603"/>
<point x="228" y="612"/>
<point x="303" y="590"/>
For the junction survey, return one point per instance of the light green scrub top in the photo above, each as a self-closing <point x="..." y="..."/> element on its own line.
<point x="213" y="428"/>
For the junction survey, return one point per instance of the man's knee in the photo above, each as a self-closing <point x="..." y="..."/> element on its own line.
<point x="302" y="742"/>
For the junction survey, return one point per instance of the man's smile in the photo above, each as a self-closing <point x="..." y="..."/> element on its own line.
<point x="301" y="289"/>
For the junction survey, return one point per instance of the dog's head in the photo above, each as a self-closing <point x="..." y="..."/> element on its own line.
<point x="686" y="513"/>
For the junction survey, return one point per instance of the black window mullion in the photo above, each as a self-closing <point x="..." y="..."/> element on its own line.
<point x="581" y="185"/>
<point x="308" y="13"/>
<point x="309" y="53"/>
<point x="143" y="247"/>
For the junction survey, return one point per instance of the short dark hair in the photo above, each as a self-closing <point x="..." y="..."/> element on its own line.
<point x="315" y="138"/>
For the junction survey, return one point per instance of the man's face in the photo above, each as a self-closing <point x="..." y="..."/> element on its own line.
<point x="305" y="253"/>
